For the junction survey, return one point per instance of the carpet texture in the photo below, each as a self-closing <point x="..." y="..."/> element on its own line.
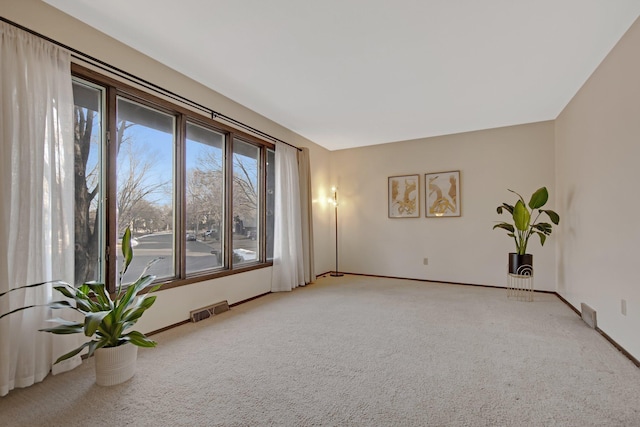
<point x="359" y="351"/>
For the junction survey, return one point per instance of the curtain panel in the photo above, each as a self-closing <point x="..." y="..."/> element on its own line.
<point x="288" y="262"/>
<point x="306" y="215"/>
<point x="36" y="201"/>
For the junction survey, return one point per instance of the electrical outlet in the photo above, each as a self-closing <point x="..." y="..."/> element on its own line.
<point x="425" y="261"/>
<point x="623" y="307"/>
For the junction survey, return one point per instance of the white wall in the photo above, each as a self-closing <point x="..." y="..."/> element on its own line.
<point x="173" y="305"/>
<point x="462" y="249"/>
<point x="322" y="216"/>
<point x="597" y="154"/>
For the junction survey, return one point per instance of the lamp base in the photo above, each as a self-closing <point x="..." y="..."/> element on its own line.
<point x="336" y="274"/>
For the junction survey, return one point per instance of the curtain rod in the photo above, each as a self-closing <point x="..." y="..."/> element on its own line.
<point x="147" y="84"/>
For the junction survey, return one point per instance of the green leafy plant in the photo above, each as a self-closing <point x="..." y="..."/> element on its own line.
<point x="525" y="220"/>
<point x="106" y="319"/>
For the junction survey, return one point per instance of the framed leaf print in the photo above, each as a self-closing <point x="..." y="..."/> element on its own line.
<point x="442" y="194"/>
<point x="404" y="196"/>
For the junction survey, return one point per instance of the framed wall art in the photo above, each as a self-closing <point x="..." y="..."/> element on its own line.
<point x="404" y="196"/>
<point x="442" y="194"/>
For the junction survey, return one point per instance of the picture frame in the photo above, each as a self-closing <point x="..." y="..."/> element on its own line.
<point x="442" y="194"/>
<point x="404" y="196"/>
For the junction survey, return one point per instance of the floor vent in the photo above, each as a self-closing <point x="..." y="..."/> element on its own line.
<point x="208" y="311"/>
<point x="589" y="315"/>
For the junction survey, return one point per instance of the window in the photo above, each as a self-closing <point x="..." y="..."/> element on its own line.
<point x="145" y="141"/>
<point x="89" y="189"/>
<point x="205" y="198"/>
<point x="193" y="191"/>
<point x="246" y="158"/>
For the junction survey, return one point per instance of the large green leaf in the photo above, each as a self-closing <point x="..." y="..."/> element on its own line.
<point x="65" y="321"/>
<point x="554" y="217"/>
<point x="132" y="291"/>
<point x="33" y="285"/>
<point x="539" y="198"/>
<point x="111" y="329"/>
<point x="92" y="322"/>
<point x="543" y="237"/>
<point x="139" y="339"/>
<point x="61" y="304"/>
<point x="72" y="352"/>
<point x="53" y="304"/>
<point x="102" y="296"/>
<point x="518" y="194"/>
<point x="504" y="226"/>
<point x="83" y="299"/>
<point x="543" y="227"/>
<point x="506" y="207"/>
<point x="65" y="329"/>
<point x="108" y="321"/>
<point x="133" y="314"/>
<point x="66" y="290"/>
<point x="83" y="289"/>
<point x="17" y="309"/>
<point x="94" y="345"/>
<point x="127" y="251"/>
<point x="521" y="216"/>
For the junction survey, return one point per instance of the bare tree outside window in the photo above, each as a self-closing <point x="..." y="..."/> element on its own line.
<point x="245" y="202"/>
<point x="144" y="169"/>
<point x="88" y="223"/>
<point x="140" y="193"/>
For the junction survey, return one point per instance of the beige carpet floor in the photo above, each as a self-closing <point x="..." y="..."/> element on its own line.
<point x="359" y="351"/>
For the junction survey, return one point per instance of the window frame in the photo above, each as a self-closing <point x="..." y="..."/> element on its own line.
<point x="114" y="89"/>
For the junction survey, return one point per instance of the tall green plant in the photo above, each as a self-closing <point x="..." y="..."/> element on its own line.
<point x="525" y="220"/>
<point x="106" y="319"/>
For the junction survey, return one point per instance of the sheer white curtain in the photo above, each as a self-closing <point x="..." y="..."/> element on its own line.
<point x="288" y="265"/>
<point x="36" y="201"/>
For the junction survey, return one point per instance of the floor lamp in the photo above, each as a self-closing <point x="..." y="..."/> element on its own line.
<point x="335" y="207"/>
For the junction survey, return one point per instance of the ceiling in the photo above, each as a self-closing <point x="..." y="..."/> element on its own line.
<point x="349" y="73"/>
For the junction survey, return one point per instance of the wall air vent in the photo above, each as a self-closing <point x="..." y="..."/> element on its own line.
<point x="589" y="315"/>
<point x="208" y="311"/>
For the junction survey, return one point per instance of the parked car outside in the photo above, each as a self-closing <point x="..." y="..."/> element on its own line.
<point x="211" y="233"/>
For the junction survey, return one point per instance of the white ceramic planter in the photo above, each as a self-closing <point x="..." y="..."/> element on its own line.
<point x="115" y="365"/>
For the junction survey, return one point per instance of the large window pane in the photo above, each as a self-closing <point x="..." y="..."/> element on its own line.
<point x="89" y="174"/>
<point x="205" y="198"/>
<point x="145" y="179"/>
<point x="245" y="202"/>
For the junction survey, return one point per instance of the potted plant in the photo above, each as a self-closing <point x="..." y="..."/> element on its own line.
<point x="106" y="320"/>
<point x="524" y="224"/>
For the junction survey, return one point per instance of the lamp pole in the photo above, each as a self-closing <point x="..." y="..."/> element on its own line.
<point x="335" y="206"/>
